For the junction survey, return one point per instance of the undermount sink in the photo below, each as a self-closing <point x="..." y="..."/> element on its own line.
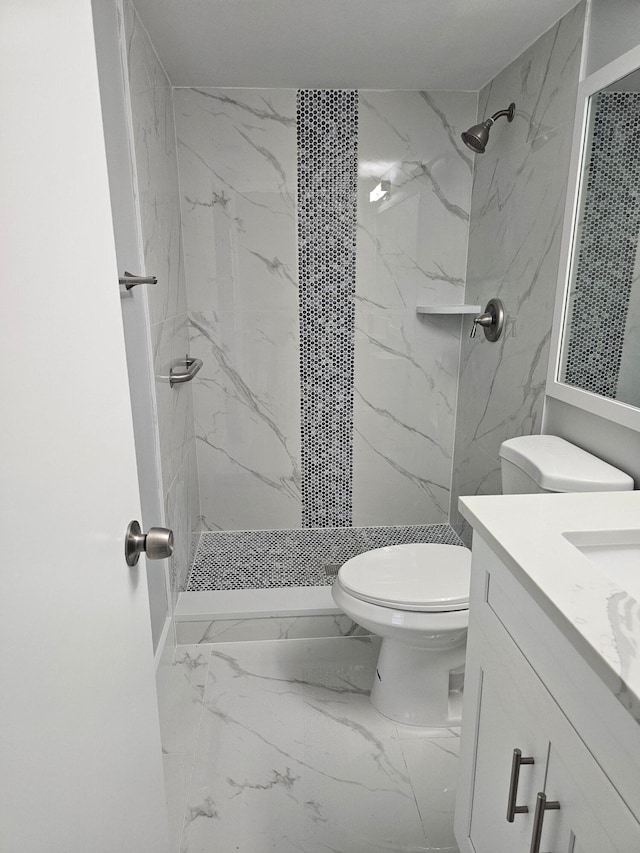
<point x="615" y="552"/>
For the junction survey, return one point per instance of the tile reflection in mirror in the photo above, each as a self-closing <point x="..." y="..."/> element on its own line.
<point x="602" y="334"/>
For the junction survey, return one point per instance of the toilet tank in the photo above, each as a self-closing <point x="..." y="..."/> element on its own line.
<point x="546" y="463"/>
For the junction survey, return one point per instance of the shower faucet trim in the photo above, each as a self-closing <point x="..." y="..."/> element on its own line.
<point x="492" y="320"/>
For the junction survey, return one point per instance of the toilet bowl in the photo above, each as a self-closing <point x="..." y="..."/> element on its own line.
<point x="415" y="597"/>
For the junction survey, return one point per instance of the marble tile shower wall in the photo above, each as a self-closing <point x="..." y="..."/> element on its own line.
<point x="237" y="161"/>
<point x="412" y="247"/>
<point x="159" y="204"/>
<point x="236" y="153"/>
<point x="517" y="210"/>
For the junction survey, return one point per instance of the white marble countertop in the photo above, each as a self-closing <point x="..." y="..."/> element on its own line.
<point x="597" y="616"/>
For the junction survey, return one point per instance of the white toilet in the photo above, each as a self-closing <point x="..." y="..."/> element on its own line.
<point x="416" y="597"/>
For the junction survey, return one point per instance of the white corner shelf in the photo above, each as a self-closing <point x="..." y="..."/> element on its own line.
<point x="448" y="309"/>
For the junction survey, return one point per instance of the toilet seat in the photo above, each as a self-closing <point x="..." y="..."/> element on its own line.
<point x="414" y="577"/>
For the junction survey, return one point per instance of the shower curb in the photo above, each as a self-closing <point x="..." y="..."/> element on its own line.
<point x="255" y="603"/>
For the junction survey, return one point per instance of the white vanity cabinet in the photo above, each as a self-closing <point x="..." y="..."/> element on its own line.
<point x="528" y="689"/>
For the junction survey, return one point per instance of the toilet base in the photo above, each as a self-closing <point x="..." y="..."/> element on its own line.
<point x="419" y="687"/>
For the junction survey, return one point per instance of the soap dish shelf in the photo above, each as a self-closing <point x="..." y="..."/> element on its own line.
<point x="448" y="309"/>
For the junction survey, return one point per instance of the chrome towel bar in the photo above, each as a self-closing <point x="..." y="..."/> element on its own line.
<point x="184" y="370"/>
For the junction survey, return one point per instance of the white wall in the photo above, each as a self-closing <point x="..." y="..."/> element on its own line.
<point x="615" y="444"/>
<point x="614" y="29"/>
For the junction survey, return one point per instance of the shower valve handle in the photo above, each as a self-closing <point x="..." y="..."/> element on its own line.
<point x="485" y="320"/>
<point x="491" y="320"/>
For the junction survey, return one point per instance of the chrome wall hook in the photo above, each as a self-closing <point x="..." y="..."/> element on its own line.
<point x="130" y="280"/>
<point x="492" y="320"/>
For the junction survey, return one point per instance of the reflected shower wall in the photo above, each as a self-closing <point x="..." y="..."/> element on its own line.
<point x="237" y="155"/>
<point x="601" y="329"/>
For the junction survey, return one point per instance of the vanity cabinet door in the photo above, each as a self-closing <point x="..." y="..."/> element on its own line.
<point x="503" y="727"/>
<point x="506" y="721"/>
<point x="592" y="817"/>
<point x="507" y="706"/>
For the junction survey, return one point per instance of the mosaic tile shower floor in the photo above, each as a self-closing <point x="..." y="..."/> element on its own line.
<point x="260" y="559"/>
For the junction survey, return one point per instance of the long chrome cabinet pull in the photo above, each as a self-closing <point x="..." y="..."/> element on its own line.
<point x="542" y="805"/>
<point x="512" y="808"/>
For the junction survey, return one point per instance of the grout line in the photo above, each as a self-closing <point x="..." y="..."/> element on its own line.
<point x="462" y="338"/>
<point x="151" y="44"/>
<point x="413" y="791"/>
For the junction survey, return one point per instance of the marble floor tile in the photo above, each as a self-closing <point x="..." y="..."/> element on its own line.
<point x="268" y="628"/>
<point x="422" y="733"/>
<point x="180" y="701"/>
<point x="291" y="756"/>
<point x="432" y="765"/>
<point x="177" y="778"/>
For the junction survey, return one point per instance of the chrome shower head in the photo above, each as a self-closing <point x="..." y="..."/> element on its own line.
<point x="476" y="137"/>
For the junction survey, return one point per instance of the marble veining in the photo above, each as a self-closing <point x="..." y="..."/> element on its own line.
<point x="515" y="227"/>
<point x="411" y="247"/>
<point x="237" y="163"/>
<point x="624" y="618"/>
<point x="287" y="735"/>
<point x="398" y="372"/>
<point x="598" y="616"/>
<point x="268" y="628"/>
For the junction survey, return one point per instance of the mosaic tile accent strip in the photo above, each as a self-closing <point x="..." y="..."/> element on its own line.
<point x="259" y="559"/>
<point x="608" y="246"/>
<point x="327" y="133"/>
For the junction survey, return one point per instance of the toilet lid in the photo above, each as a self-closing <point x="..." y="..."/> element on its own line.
<point x="421" y="577"/>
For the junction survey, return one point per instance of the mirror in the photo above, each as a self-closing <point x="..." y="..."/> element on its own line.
<point x="600" y="347"/>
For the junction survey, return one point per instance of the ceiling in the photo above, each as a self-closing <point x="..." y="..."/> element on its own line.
<point x="362" y="44"/>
